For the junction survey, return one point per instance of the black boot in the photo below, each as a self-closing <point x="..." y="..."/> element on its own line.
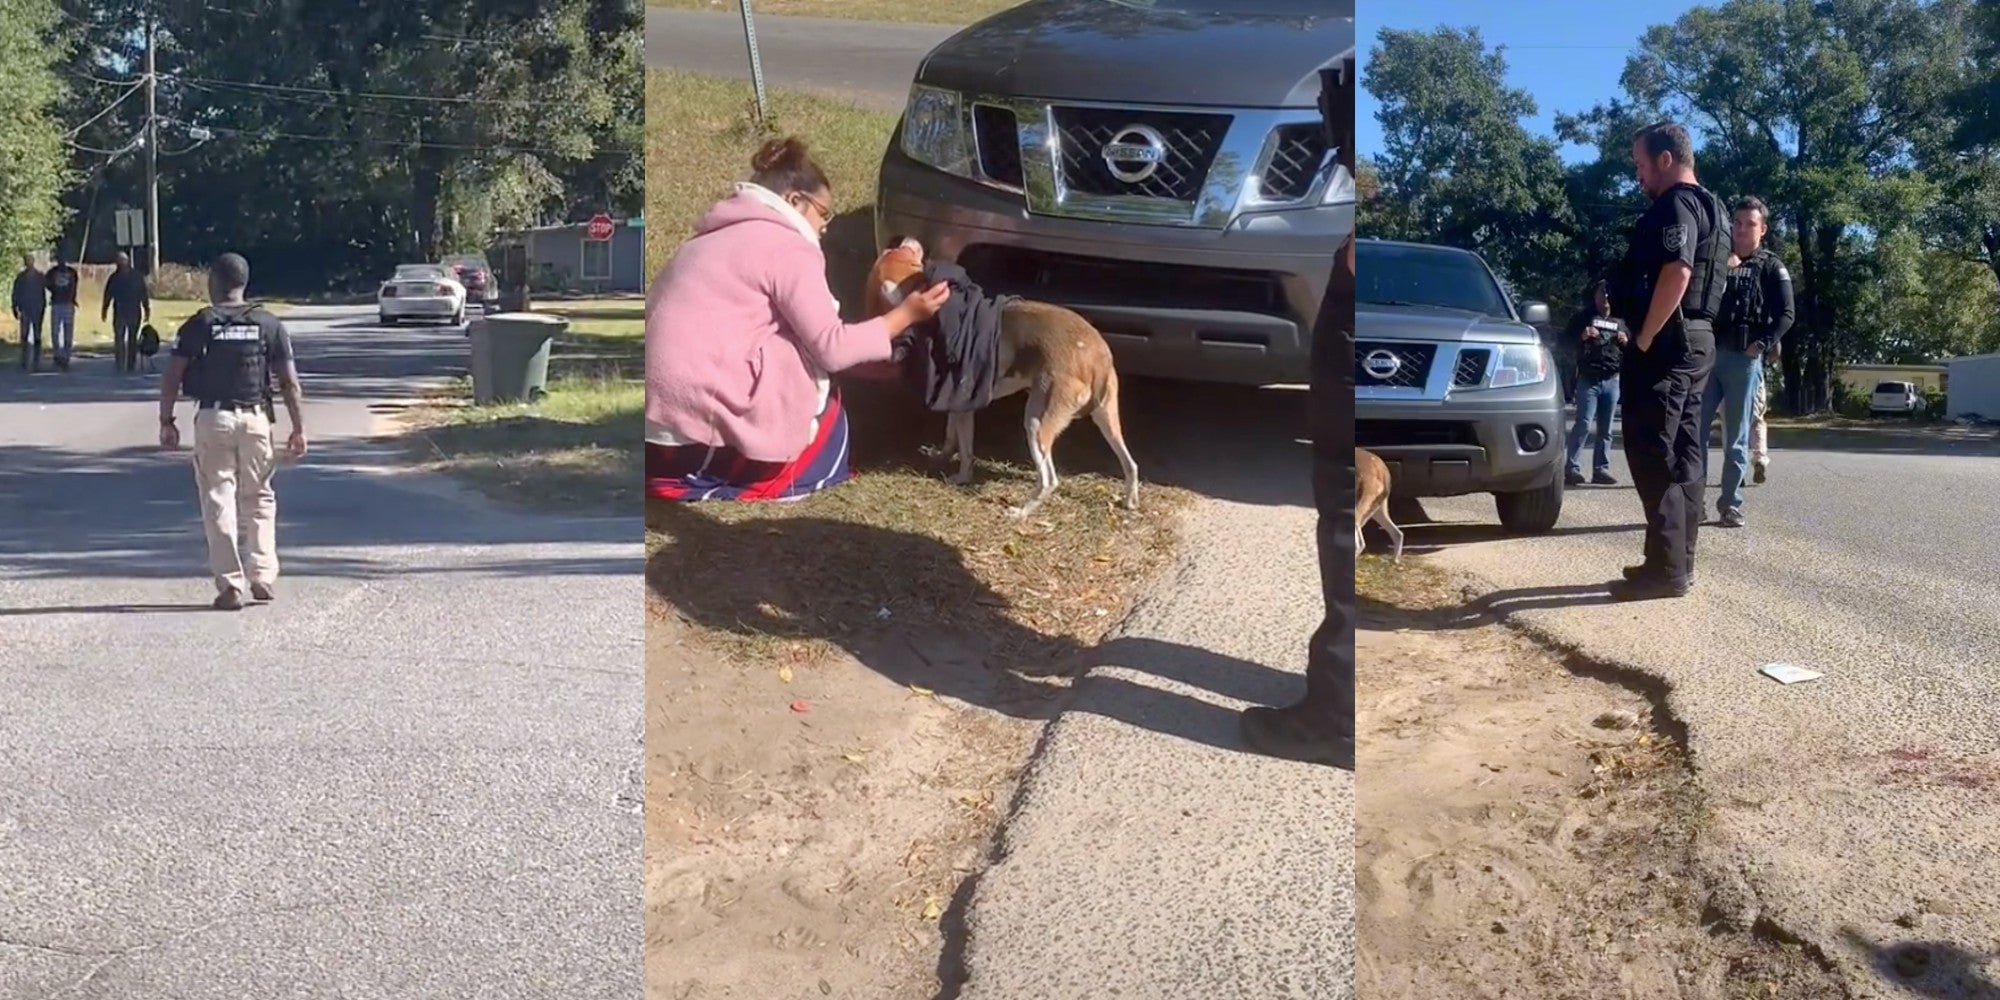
<point x="1650" y="587"/>
<point x="1294" y="733"/>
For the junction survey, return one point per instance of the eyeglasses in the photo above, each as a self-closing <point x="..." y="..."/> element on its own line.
<point x="825" y="211"/>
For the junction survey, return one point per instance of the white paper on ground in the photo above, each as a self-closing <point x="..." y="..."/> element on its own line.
<point x="1785" y="673"/>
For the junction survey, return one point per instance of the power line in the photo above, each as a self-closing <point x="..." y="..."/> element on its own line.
<point x="129" y="91"/>
<point x="376" y="95"/>
<point x="406" y="143"/>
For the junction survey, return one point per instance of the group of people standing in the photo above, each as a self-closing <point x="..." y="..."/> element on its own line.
<point x="1680" y="331"/>
<point x="48" y="300"/>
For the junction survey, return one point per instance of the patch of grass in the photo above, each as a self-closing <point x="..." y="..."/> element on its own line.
<point x="933" y="12"/>
<point x="701" y="133"/>
<point x="579" y="448"/>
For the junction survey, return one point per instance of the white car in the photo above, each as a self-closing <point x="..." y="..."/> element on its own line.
<point x="421" y="291"/>
<point x="1896" y="398"/>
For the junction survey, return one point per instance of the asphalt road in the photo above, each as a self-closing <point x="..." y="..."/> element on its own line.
<point x="415" y="775"/>
<point x="870" y="64"/>
<point x="1863" y="809"/>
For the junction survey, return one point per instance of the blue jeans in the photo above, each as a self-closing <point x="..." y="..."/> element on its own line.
<point x="1732" y="388"/>
<point x="1596" y="401"/>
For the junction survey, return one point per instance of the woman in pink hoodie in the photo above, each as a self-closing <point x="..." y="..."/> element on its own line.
<point x="742" y="332"/>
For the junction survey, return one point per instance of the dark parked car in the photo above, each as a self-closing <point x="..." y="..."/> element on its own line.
<point x="1162" y="168"/>
<point x="1453" y="385"/>
<point x="477" y="276"/>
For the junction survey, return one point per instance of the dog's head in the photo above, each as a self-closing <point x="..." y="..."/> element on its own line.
<point x="897" y="272"/>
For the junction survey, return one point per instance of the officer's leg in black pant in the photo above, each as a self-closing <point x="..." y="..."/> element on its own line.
<point x="1320" y="728"/>
<point x="1643" y="403"/>
<point x="118" y="341"/>
<point x="1690" y="457"/>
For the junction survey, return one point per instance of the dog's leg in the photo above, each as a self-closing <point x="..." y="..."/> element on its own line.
<point x="1105" y="416"/>
<point x="949" y="450"/>
<point x="1045" y="422"/>
<point x="1395" y="533"/>
<point x="1360" y="542"/>
<point x="958" y="427"/>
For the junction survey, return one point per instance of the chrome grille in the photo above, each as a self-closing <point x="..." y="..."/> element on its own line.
<point x="997" y="132"/>
<point x="1412" y="370"/>
<point x="1471" y="370"/>
<point x="1192" y="141"/>
<point x="1295" y="162"/>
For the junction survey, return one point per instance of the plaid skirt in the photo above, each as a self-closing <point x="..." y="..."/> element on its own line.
<point x="701" y="472"/>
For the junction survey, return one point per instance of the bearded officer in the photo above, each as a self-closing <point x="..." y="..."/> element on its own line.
<point x="228" y="355"/>
<point x="1671" y="285"/>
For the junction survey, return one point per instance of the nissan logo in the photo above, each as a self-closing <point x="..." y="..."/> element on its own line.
<point x="1382" y="364"/>
<point x="1135" y="153"/>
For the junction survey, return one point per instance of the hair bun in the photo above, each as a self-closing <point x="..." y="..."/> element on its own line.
<point x="779" y="154"/>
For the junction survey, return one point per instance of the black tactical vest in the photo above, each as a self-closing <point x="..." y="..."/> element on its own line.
<point x="234" y="366"/>
<point x="1703" y="298"/>
<point x="1744" y="311"/>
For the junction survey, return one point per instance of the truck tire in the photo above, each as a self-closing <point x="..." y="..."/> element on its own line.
<point x="1533" y="512"/>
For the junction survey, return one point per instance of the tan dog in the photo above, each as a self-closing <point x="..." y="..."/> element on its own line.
<point x="1051" y="352"/>
<point x="1371" y="500"/>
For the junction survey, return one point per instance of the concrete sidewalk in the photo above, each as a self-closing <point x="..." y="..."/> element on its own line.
<point x="1152" y="857"/>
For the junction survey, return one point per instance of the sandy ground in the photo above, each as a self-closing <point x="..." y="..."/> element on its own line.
<point x="1525" y="831"/>
<point x="807" y="826"/>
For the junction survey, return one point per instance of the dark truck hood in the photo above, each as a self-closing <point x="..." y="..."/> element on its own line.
<point x="1377" y="322"/>
<point x="1221" y="53"/>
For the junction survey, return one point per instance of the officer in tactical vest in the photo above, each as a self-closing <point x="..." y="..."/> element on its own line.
<point x="226" y="357"/>
<point x="1756" y="312"/>
<point x="1670" y="292"/>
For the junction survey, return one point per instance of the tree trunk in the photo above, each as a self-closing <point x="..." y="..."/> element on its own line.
<point x="426" y="196"/>
<point x="1797" y="387"/>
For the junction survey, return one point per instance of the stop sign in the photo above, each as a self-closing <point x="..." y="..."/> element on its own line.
<point x="600" y="227"/>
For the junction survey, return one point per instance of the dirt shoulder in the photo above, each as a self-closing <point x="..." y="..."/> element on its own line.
<point x="1523" y="822"/>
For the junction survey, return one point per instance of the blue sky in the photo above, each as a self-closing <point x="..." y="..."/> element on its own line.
<point x="1567" y="53"/>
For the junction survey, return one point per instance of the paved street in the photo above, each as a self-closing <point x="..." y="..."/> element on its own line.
<point x="1853" y="802"/>
<point x="870" y="64"/>
<point x="415" y="775"/>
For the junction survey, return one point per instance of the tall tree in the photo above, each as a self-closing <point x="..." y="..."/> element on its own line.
<point x="33" y="165"/>
<point x="1458" y="166"/>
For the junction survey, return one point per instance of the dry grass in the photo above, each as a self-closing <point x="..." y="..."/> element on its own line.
<point x="934" y="12"/>
<point x="578" y="449"/>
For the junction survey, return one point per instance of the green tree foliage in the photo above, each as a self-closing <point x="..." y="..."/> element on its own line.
<point x="33" y="167"/>
<point x="1869" y="126"/>
<point x="345" y="138"/>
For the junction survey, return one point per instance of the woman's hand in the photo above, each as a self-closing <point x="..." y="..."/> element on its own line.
<point x="922" y="306"/>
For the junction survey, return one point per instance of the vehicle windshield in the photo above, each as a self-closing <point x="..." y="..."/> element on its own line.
<point x="467" y="262"/>
<point x="1441" y="278"/>
<point x="1891" y="387"/>
<point x="419" y="272"/>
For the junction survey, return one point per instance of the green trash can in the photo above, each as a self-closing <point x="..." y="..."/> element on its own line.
<point x="510" y="356"/>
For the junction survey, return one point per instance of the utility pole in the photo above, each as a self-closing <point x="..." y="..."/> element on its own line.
<point x="152" y="155"/>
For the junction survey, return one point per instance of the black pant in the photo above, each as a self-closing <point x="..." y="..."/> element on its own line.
<point x="1330" y="659"/>
<point x="125" y="339"/>
<point x="31" y="339"/>
<point x="1661" y="393"/>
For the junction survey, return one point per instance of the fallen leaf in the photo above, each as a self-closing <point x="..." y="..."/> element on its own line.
<point x="785" y="674"/>
<point x="922" y="692"/>
<point x="932" y="910"/>
<point x="802" y="706"/>
<point x="853" y="758"/>
<point x="1011" y="549"/>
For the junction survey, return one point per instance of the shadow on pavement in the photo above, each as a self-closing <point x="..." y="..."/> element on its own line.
<point x="1425" y="538"/>
<point x="691" y="571"/>
<point x="131" y="513"/>
<point x="1492" y="609"/>
<point x="1931" y="968"/>
<point x="1889" y="441"/>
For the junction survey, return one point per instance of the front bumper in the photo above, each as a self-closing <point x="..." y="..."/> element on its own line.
<point x="1229" y="305"/>
<point x="1472" y="441"/>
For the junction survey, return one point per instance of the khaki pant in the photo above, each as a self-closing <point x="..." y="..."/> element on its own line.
<point x="1760" y="432"/>
<point x="233" y="463"/>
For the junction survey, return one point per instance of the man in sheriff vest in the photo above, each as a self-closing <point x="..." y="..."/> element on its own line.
<point x="226" y="357"/>
<point x="1669" y="294"/>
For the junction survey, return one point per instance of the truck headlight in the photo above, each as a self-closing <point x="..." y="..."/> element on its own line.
<point x="1340" y="189"/>
<point x="1521" y="364"/>
<point x="934" y="131"/>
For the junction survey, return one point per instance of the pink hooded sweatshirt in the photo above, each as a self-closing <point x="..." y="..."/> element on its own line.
<point x="742" y="329"/>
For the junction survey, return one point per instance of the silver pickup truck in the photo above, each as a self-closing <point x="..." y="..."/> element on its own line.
<point x="1454" y="388"/>
<point x="1161" y="167"/>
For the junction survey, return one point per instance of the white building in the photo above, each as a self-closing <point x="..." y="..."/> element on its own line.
<point x="1972" y="387"/>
